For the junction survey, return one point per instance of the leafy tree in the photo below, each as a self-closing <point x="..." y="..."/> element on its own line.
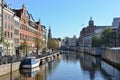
<point x="52" y="43"/>
<point x="4" y="43"/>
<point x="96" y="41"/>
<point x="107" y="36"/>
<point x="38" y="43"/>
<point x="24" y="46"/>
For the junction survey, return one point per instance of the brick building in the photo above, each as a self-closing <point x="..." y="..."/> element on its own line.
<point x="86" y="34"/>
<point x="29" y="29"/>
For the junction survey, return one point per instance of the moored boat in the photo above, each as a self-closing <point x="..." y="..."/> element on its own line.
<point x="30" y="62"/>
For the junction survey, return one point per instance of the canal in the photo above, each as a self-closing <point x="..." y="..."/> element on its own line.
<point x="68" y="66"/>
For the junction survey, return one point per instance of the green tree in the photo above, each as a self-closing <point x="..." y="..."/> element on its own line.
<point x="24" y="47"/>
<point x="52" y="43"/>
<point x="38" y="43"/>
<point x="2" y="41"/>
<point x="96" y="41"/>
<point x="107" y="36"/>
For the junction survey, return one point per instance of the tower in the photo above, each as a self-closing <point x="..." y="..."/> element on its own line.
<point x="49" y="33"/>
<point x="91" y="22"/>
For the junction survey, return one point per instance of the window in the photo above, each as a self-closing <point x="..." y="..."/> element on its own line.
<point x="5" y="16"/>
<point x="16" y="40"/>
<point x="11" y="19"/>
<point x="16" y="23"/>
<point x="16" y="32"/>
<point x="5" y="33"/>
<point x="8" y="26"/>
<point x="8" y="17"/>
<point x="5" y="25"/>
<point x="11" y="34"/>
<point x="11" y="27"/>
<point x="8" y="34"/>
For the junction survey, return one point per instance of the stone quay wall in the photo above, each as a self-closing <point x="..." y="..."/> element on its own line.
<point x="92" y="51"/>
<point x="7" y="68"/>
<point x="112" y="55"/>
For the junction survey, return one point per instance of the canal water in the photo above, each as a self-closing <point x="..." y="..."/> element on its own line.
<point x="68" y="66"/>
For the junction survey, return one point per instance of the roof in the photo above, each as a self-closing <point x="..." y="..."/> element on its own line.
<point x="99" y="27"/>
<point x="18" y="12"/>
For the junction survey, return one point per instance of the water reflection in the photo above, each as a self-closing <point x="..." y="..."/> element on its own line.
<point x="110" y="72"/>
<point x="90" y="64"/>
<point x="15" y="76"/>
<point x="29" y="72"/>
<point x="69" y="66"/>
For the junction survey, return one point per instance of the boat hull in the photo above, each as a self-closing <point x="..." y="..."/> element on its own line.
<point x="30" y="63"/>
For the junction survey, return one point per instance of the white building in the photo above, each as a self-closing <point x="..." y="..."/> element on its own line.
<point x="44" y="36"/>
<point x="16" y="34"/>
<point x="63" y="42"/>
<point x="72" y="42"/>
<point x="8" y="30"/>
<point x="116" y="22"/>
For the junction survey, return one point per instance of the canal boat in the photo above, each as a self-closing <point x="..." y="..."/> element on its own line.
<point x="30" y="62"/>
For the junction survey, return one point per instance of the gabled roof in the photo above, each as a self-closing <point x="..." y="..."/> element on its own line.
<point x="30" y="17"/>
<point x="18" y="12"/>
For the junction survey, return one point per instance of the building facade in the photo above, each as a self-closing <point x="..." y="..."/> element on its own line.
<point x="19" y="32"/>
<point x="69" y="42"/>
<point x="16" y="34"/>
<point x="116" y="29"/>
<point x="116" y="22"/>
<point x="30" y="31"/>
<point x="44" y="36"/>
<point x="85" y="39"/>
<point x="8" y="30"/>
<point x="86" y="34"/>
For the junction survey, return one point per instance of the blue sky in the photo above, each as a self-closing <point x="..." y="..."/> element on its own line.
<point x="67" y="16"/>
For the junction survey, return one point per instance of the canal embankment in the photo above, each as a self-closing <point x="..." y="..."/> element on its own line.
<point x="13" y="66"/>
<point x="110" y="55"/>
<point x="10" y="67"/>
